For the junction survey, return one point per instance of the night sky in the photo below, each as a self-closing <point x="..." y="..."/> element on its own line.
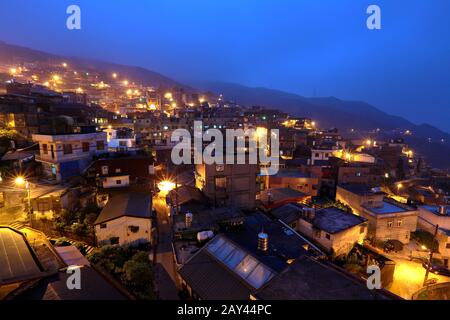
<point x="309" y="47"/>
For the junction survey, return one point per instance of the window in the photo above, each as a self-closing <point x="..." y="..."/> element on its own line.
<point x="328" y="236"/>
<point x="118" y="170"/>
<point x="362" y="229"/>
<point x="399" y="223"/>
<point x="447" y="245"/>
<point x="45" y="148"/>
<point x="390" y="224"/>
<point x="114" y="240"/>
<point x="220" y="167"/>
<point x="103" y="226"/>
<point x="118" y="181"/>
<point x="105" y="170"/>
<point x="122" y="143"/>
<point x="317" y="155"/>
<point x="67" y="148"/>
<point x="221" y="182"/>
<point x="358" y="174"/>
<point x="134" y="229"/>
<point x="85" y="146"/>
<point x="100" y="145"/>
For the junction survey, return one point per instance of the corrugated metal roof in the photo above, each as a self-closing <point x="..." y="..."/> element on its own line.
<point x="128" y="204"/>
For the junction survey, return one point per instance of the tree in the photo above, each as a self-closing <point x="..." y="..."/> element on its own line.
<point x="138" y="276"/>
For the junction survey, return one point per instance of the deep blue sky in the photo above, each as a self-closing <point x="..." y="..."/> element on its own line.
<point x="308" y="47"/>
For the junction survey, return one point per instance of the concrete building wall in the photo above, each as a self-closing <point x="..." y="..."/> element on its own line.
<point x="228" y="184"/>
<point x="339" y="243"/>
<point x="397" y="226"/>
<point x="116" y="182"/>
<point x="120" y="228"/>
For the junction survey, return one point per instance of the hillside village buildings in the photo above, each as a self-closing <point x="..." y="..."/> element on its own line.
<point x="94" y="165"/>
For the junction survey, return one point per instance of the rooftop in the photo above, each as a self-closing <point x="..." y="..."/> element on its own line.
<point x="292" y="174"/>
<point x="435" y="210"/>
<point x="137" y="205"/>
<point x="361" y="189"/>
<point x="334" y="220"/>
<point x="387" y="208"/>
<point x="288" y="213"/>
<point x="309" y="279"/>
<point x="17" y="260"/>
<point x="94" y="287"/>
<point x="276" y="196"/>
<point x="230" y="265"/>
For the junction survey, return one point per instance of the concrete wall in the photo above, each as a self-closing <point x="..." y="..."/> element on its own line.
<point x="112" y="182"/>
<point x="340" y="243"/>
<point x="120" y="228"/>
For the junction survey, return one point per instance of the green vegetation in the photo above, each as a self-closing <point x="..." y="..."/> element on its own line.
<point x="129" y="265"/>
<point x="425" y="238"/>
<point x="79" y="222"/>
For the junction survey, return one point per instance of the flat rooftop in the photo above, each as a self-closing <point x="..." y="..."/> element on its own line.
<point x="309" y="279"/>
<point x="387" y="208"/>
<point x="334" y="220"/>
<point x="435" y="210"/>
<point x="361" y="189"/>
<point x="17" y="261"/>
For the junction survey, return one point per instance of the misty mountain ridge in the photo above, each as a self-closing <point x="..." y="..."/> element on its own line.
<point x="328" y="112"/>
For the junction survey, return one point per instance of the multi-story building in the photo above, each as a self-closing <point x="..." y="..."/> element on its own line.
<point x="387" y="219"/>
<point x="122" y="171"/>
<point x="66" y="155"/>
<point x="228" y="184"/>
<point x="306" y="183"/>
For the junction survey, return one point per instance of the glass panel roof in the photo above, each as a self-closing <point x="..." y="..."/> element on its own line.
<point x="259" y="276"/>
<point x="246" y="266"/>
<point x="234" y="258"/>
<point x="240" y="262"/>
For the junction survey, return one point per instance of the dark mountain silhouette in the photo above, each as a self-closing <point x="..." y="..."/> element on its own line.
<point x="331" y="112"/>
<point x="12" y="54"/>
<point x="328" y="112"/>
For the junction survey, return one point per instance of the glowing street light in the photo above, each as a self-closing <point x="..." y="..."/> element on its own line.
<point x="125" y="82"/>
<point x="114" y="75"/>
<point x="19" y="181"/>
<point x="166" y="186"/>
<point x="13" y="71"/>
<point x="64" y="64"/>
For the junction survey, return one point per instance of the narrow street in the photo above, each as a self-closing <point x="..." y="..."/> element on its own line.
<point x="409" y="276"/>
<point x="165" y="267"/>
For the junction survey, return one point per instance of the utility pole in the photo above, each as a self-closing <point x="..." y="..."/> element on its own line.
<point x="430" y="258"/>
<point x="176" y="190"/>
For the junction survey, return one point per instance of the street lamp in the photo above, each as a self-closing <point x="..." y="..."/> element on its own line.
<point x="21" y="181"/>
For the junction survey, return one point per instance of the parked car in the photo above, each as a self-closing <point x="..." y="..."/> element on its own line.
<point x="437" y="268"/>
<point x="393" y="245"/>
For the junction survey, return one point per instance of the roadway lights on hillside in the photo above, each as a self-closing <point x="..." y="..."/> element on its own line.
<point x="13" y="71"/>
